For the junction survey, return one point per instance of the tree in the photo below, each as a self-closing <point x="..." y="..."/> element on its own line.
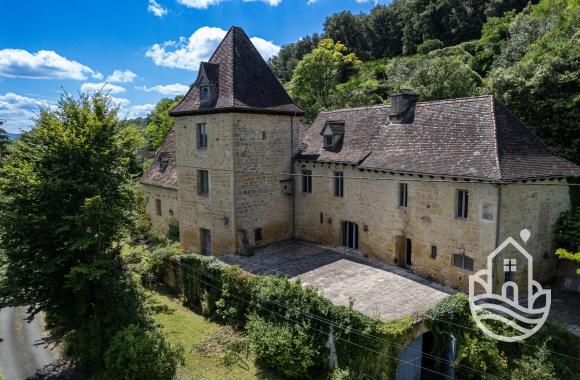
<point x="350" y="30"/>
<point x="318" y="73"/>
<point x="160" y="123"/>
<point x="444" y="78"/>
<point x="542" y="87"/>
<point x="536" y="367"/>
<point x="4" y="139"/>
<point x="568" y="236"/>
<point x="65" y="201"/>
<point x="285" y="62"/>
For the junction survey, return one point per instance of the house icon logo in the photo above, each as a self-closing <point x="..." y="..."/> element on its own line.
<point x="520" y="310"/>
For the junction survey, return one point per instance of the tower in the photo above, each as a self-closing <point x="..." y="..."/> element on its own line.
<point x="235" y="132"/>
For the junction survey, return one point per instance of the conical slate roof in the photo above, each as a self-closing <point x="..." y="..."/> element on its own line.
<point x="241" y="81"/>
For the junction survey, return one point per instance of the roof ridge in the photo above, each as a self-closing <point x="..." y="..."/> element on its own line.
<point x="495" y="140"/>
<point x="456" y="100"/>
<point x="357" y="108"/>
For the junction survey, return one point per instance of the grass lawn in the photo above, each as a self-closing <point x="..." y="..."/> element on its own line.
<point x="183" y="326"/>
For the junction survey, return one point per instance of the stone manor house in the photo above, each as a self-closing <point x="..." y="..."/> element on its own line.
<point x="432" y="187"/>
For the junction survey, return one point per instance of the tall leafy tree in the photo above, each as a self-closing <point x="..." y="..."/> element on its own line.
<point x="160" y="123"/>
<point x="285" y="62"/>
<point x="4" y="139"/>
<point x="65" y="199"/>
<point x="318" y="73"/>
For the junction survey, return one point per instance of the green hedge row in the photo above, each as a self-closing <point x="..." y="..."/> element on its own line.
<point x="288" y="326"/>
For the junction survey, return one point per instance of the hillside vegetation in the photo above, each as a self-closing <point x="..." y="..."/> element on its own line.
<point x="526" y="54"/>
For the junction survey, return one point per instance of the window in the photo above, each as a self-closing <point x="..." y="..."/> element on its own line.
<point x="408" y="253"/>
<point x="158" y="206"/>
<point x="204" y="92"/>
<point x="338" y="184"/>
<point x="433" y="252"/>
<point x="488" y="211"/>
<point x="264" y="135"/>
<point x="463" y="262"/>
<point x="202" y="136"/>
<point x="202" y="182"/>
<point x="307" y="181"/>
<point x="403" y="194"/>
<point x="205" y="241"/>
<point x="462" y="203"/>
<point x="349" y="234"/>
<point x="328" y="141"/>
<point x="258" y="234"/>
<point x="321" y="218"/>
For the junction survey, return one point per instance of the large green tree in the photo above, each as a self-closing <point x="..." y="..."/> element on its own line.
<point x="65" y="200"/>
<point x="160" y="123"/>
<point x="318" y="73"/>
<point x="542" y="87"/>
<point x="4" y="139"/>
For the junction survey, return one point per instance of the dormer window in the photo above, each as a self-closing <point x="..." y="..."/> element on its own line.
<point x="328" y="141"/>
<point x="204" y="93"/>
<point x="332" y="133"/>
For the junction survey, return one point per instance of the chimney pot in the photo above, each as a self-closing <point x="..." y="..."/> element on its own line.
<point x="403" y="107"/>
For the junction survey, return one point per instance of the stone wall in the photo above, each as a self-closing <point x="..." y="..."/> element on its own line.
<point x="429" y="220"/>
<point x="535" y="206"/>
<point x="263" y="157"/>
<point x="169" y="205"/>
<point x="245" y="154"/>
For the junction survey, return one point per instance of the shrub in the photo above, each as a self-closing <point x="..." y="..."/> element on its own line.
<point x="136" y="353"/>
<point x="286" y="347"/>
<point x="537" y="367"/>
<point x="429" y="45"/>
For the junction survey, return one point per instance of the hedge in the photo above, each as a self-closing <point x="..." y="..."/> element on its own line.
<point x="276" y="313"/>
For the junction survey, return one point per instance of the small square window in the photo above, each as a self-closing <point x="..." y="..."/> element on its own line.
<point x="509" y="265"/>
<point x="460" y="260"/>
<point x="488" y="211"/>
<point x="462" y="204"/>
<point x="258" y="234"/>
<point x="202" y="182"/>
<point x="202" y="136"/>
<point x="403" y="194"/>
<point x="339" y="184"/>
<point x="433" y="252"/>
<point x="307" y="181"/>
<point x="158" y="206"/>
<point x="328" y="141"/>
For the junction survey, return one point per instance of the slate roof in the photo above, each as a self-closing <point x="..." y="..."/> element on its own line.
<point x="163" y="171"/>
<point x="477" y="137"/>
<point x="245" y="83"/>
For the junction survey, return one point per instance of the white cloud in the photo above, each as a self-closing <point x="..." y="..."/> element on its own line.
<point x="44" y="64"/>
<point x="140" y="110"/>
<point x="198" y="4"/>
<point x="20" y="111"/>
<point x="119" y="102"/>
<point x="167" y="89"/>
<point x="122" y="76"/>
<point x="187" y="53"/>
<point x="155" y="8"/>
<point x="105" y="87"/>
<point x="273" y="3"/>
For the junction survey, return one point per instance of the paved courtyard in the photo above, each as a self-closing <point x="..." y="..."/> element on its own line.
<point x="375" y="289"/>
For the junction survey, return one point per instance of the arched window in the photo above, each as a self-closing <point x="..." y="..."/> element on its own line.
<point x="205" y="93"/>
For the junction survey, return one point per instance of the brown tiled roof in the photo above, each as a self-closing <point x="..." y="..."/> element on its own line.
<point x="245" y="83"/>
<point x="163" y="171"/>
<point x="475" y="137"/>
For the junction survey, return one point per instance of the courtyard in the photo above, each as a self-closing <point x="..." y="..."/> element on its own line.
<point x="375" y="289"/>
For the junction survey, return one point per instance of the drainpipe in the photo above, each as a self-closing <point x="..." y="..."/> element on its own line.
<point x="292" y="177"/>
<point x="497" y="231"/>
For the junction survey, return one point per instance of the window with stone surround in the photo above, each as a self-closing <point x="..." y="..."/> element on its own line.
<point x="202" y="182"/>
<point x="158" y="206"/>
<point x="403" y="194"/>
<point x="460" y="260"/>
<point x="307" y="181"/>
<point x="339" y="184"/>
<point x="258" y="234"/>
<point x="202" y="136"/>
<point x="462" y="204"/>
<point x="488" y="211"/>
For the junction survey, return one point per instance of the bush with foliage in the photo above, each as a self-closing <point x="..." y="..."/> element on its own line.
<point x="567" y="237"/>
<point x="65" y="201"/>
<point x="135" y="353"/>
<point x="279" y="308"/>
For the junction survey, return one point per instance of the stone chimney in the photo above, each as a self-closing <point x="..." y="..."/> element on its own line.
<point x="403" y="107"/>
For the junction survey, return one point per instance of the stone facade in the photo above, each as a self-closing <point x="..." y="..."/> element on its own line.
<point x="429" y="220"/>
<point x="161" y="205"/>
<point x="239" y="201"/>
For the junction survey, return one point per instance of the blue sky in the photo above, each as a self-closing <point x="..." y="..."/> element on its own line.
<point x="140" y="50"/>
